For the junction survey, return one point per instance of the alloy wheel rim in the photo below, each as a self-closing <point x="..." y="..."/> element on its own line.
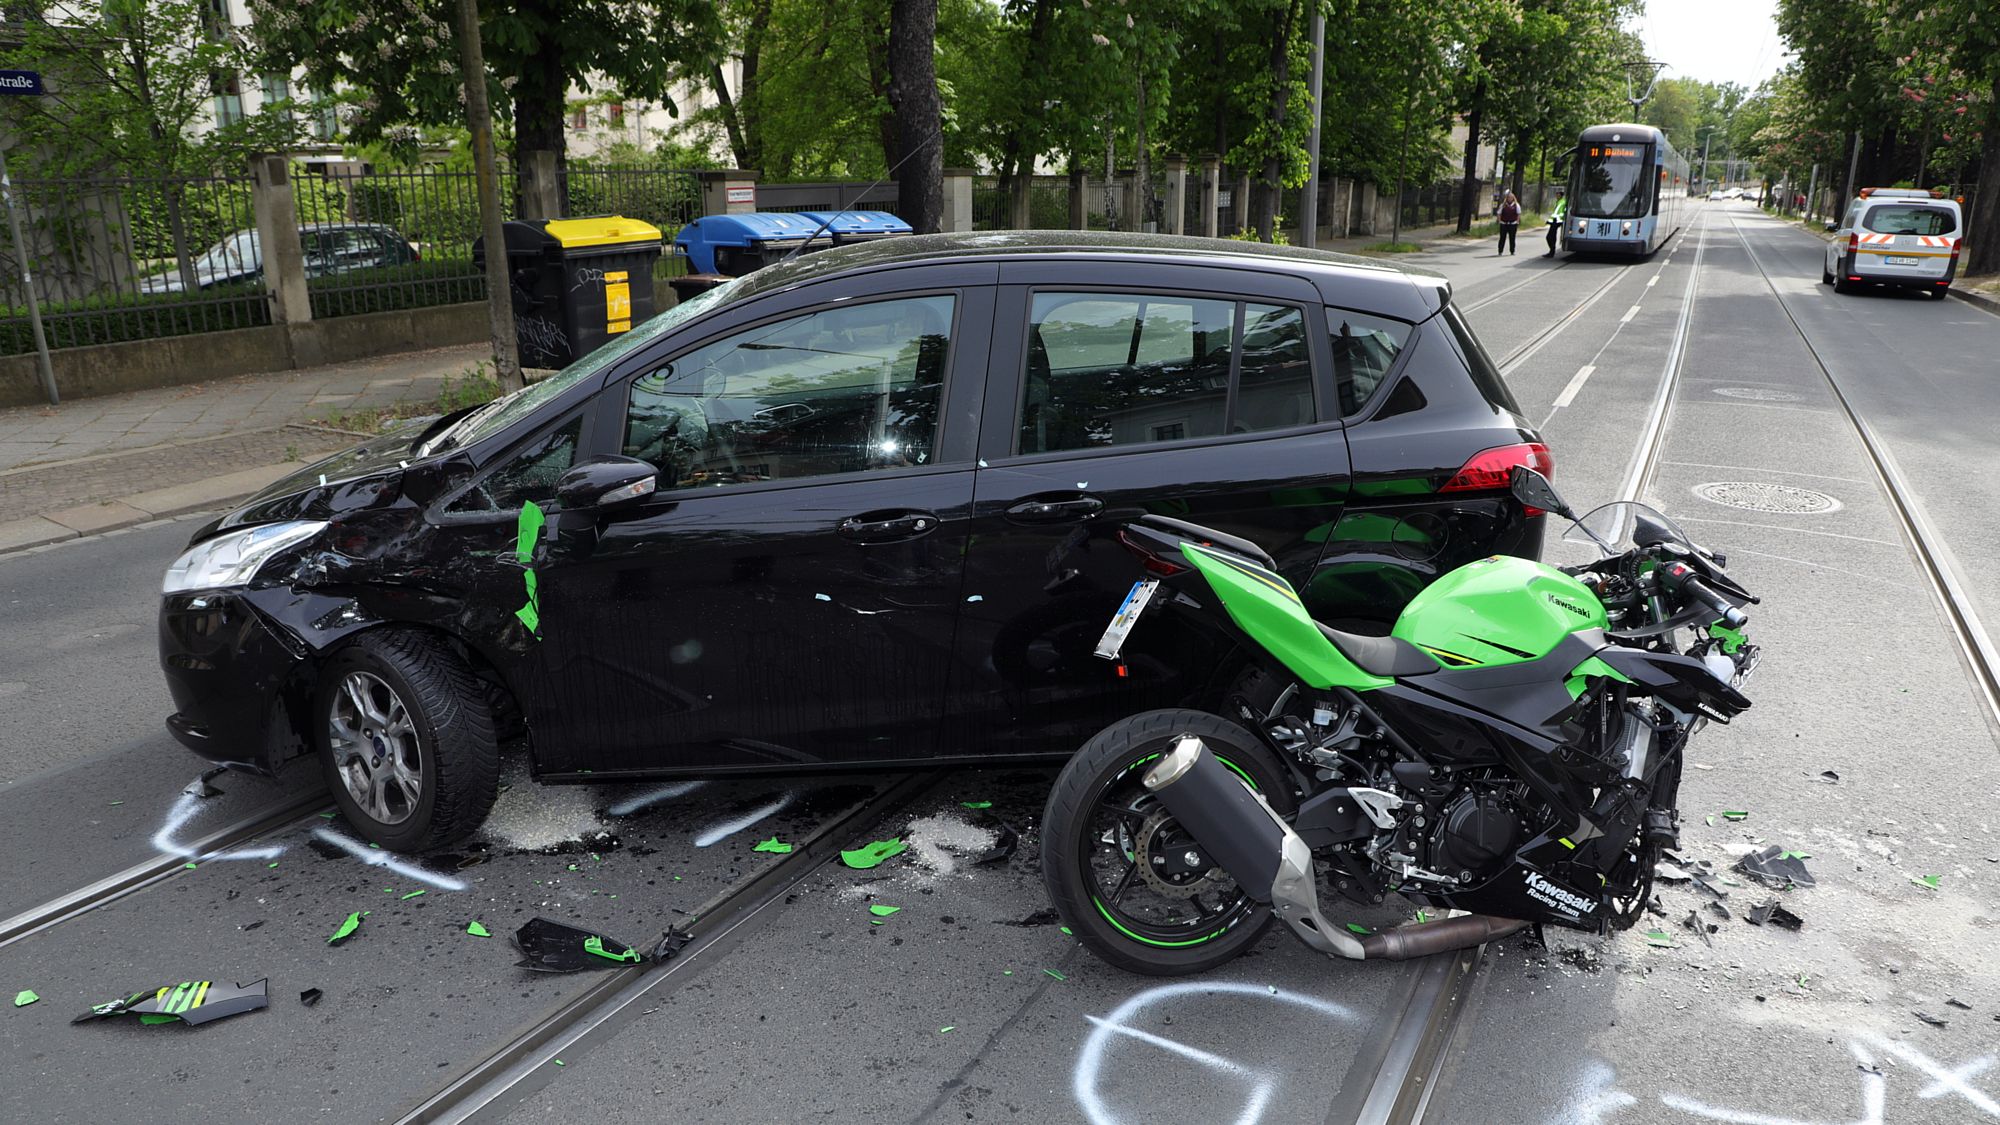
<point x="375" y="748"/>
<point x="1121" y="816"/>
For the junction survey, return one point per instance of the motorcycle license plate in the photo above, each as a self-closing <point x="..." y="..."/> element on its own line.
<point x="1897" y="261"/>
<point x="1126" y="617"/>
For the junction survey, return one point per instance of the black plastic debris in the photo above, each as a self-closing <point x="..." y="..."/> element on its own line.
<point x="1002" y="848"/>
<point x="248" y="926"/>
<point x="1773" y="866"/>
<point x="1774" y="914"/>
<point x="1043" y="917"/>
<point x="1719" y="910"/>
<point x="200" y="786"/>
<point x="310" y="997"/>
<point x="1703" y="929"/>
<point x="1961" y="1005"/>
<point x="1583" y="958"/>
<point x="1670" y="872"/>
<point x="191" y="1002"/>
<point x="552" y="947"/>
<point x="1654" y="906"/>
<point x="1830" y="777"/>
<point x="1930" y="1019"/>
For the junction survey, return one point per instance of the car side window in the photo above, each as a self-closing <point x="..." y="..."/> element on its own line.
<point x="839" y="390"/>
<point x="1364" y="349"/>
<point x="530" y="473"/>
<point x="1124" y="369"/>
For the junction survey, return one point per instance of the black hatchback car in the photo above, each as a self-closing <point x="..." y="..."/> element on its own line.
<point x="856" y="509"/>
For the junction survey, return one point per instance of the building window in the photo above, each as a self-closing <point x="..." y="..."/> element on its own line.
<point x="325" y="122"/>
<point x="228" y="99"/>
<point x="615" y="113"/>
<point x="579" y="118"/>
<point x="275" y="88"/>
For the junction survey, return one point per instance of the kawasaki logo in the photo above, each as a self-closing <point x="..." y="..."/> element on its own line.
<point x="1569" y="605"/>
<point x="1563" y="899"/>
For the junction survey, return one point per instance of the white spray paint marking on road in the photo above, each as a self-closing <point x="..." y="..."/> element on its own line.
<point x="1575" y="384"/>
<point x="730" y="828"/>
<point x="375" y="857"/>
<point x="177" y="818"/>
<point x="1117" y="1027"/>
<point x="1944" y="1080"/>
<point x="648" y="799"/>
<point x="1874" y="1095"/>
<point x="1600" y="1097"/>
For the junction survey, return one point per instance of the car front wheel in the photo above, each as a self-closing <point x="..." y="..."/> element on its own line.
<point x="406" y="740"/>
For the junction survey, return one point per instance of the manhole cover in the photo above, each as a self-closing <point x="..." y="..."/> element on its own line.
<point x="1756" y="496"/>
<point x="1756" y="394"/>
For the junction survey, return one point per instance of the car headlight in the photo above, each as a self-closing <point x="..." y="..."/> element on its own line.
<point x="233" y="559"/>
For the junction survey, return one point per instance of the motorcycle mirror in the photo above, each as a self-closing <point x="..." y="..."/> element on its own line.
<point x="1534" y="490"/>
<point x="1649" y="532"/>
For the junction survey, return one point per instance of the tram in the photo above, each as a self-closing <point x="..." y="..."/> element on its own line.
<point x="1627" y="189"/>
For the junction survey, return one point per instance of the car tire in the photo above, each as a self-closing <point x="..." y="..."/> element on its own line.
<point x="1112" y="761"/>
<point x="1942" y="291"/>
<point x="407" y="697"/>
<point x="1825" y="275"/>
<point x="1842" y="285"/>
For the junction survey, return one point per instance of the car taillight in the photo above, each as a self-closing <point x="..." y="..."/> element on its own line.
<point x="1853" y="242"/>
<point x="1492" y="469"/>
<point x="416" y="255"/>
<point x="1156" y="565"/>
<point x="1954" y="254"/>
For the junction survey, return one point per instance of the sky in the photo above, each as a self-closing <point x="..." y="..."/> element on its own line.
<point x="1714" y="40"/>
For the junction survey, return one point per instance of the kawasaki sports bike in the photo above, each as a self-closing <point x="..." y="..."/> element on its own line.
<point x="1510" y="754"/>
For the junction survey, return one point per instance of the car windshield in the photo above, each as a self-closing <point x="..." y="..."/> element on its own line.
<point x="1612" y="182"/>
<point x="1618" y="527"/>
<point x="502" y="412"/>
<point x="234" y="254"/>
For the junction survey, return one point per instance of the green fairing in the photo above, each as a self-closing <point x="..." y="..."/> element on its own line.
<point x="526" y="532"/>
<point x="1265" y="607"/>
<point x="1499" y="610"/>
<point x="1579" y="676"/>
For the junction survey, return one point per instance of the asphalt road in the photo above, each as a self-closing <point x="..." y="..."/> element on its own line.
<point x="968" y="1003"/>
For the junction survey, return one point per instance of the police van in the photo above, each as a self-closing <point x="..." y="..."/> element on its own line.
<point x="1895" y="236"/>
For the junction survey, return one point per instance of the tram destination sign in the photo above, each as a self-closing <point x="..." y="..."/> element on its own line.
<point x="20" y="82"/>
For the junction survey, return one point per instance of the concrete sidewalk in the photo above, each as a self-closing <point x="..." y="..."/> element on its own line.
<point x="96" y="464"/>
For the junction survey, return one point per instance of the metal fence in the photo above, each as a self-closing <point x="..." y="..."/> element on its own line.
<point x="835" y="196"/>
<point x="1048" y="204"/>
<point x="131" y="259"/>
<point x="142" y="258"/>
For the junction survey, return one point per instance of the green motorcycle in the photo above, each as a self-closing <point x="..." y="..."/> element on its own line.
<point x="1511" y="750"/>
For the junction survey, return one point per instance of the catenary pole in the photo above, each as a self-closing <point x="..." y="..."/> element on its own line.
<point x="479" y="118"/>
<point x="28" y="286"/>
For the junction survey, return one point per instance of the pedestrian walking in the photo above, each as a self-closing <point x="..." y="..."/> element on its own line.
<point x="1510" y="224"/>
<point x="1556" y="218"/>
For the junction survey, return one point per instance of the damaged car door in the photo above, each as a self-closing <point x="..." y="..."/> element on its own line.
<point x="786" y="594"/>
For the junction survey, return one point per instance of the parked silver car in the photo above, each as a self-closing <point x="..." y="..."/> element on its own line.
<point x="330" y="248"/>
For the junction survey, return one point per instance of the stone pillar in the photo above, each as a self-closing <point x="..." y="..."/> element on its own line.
<point x="1211" y="193"/>
<point x="957" y="200"/>
<point x="729" y="191"/>
<point x="1176" y="197"/>
<point x="541" y="186"/>
<point x="1366" y="207"/>
<point x="278" y="240"/>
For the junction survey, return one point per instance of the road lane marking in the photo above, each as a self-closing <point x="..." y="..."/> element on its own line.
<point x="1633" y="311"/>
<point x="1655" y="279"/>
<point x="1641" y="469"/>
<point x="1575" y="384"/>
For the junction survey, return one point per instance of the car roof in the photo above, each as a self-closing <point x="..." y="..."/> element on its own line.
<point x="1390" y="287"/>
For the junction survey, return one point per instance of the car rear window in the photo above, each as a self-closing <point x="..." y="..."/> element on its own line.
<point x="1484" y="374"/>
<point x="1897" y="218"/>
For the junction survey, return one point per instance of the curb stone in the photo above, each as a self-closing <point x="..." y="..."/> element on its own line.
<point x="140" y="507"/>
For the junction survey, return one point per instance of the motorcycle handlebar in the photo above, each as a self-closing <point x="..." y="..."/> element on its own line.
<point x="1701" y="591"/>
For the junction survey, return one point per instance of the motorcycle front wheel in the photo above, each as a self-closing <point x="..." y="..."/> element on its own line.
<point x="1126" y="878"/>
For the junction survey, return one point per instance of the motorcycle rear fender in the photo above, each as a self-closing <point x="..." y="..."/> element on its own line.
<point x="1268" y="611"/>
<point x="1680" y="680"/>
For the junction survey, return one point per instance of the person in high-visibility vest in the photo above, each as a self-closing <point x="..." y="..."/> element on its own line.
<point x="1556" y="218"/>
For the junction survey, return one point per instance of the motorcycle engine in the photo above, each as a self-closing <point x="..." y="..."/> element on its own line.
<point x="1477" y="830"/>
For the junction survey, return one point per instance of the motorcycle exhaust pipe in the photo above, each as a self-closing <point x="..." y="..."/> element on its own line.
<point x="1238" y="830"/>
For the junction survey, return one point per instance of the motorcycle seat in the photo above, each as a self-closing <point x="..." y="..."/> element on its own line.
<point x="1381" y="656"/>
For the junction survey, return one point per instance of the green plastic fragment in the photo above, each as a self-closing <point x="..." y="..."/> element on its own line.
<point x="477" y="930"/>
<point x="346" y="928"/>
<point x="273" y="863"/>
<point x="773" y="845"/>
<point x="1423" y="916"/>
<point x="597" y="857"/>
<point x="1659" y="938"/>
<point x="677" y="878"/>
<point x="526" y="530"/>
<point x="25" y="997"/>
<point x="977" y="804"/>
<point x="187" y="866"/>
<point x="870" y="855"/>
<point x="1357" y="928"/>
<point x="572" y="867"/>
<point x="1795" y="855"/>
<point x="559" y="1062"/>
<point x="377" y="847"/>
<point x="594" y="944"/>
<point x="154" y="1019"/>
<point x="411" y="895"/>
<point x="1930" y="881"/>
<point x="117" y="802"/>
<point x="1055" y="974"/>
<point x="1734" y="814"/>
<point x="880" y="911"/>
<point x="1006" y="972"/>
<point x="1710" y="818"/>
<point x="1067" y="930"/>
<point x="950" y="1027"/>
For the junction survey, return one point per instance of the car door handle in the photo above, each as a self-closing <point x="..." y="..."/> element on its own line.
<point x="1055" y="511"/>
<point x="908" y="525"/>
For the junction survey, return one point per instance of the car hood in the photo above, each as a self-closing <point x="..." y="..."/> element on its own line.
<point x="369" y="475"/>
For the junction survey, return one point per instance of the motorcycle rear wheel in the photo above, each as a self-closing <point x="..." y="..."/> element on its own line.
<point x="1100" y="825"/>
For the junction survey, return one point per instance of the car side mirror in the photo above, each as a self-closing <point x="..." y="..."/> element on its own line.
<point x="605" y="482"/>
<point x="1534" y="490"/>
